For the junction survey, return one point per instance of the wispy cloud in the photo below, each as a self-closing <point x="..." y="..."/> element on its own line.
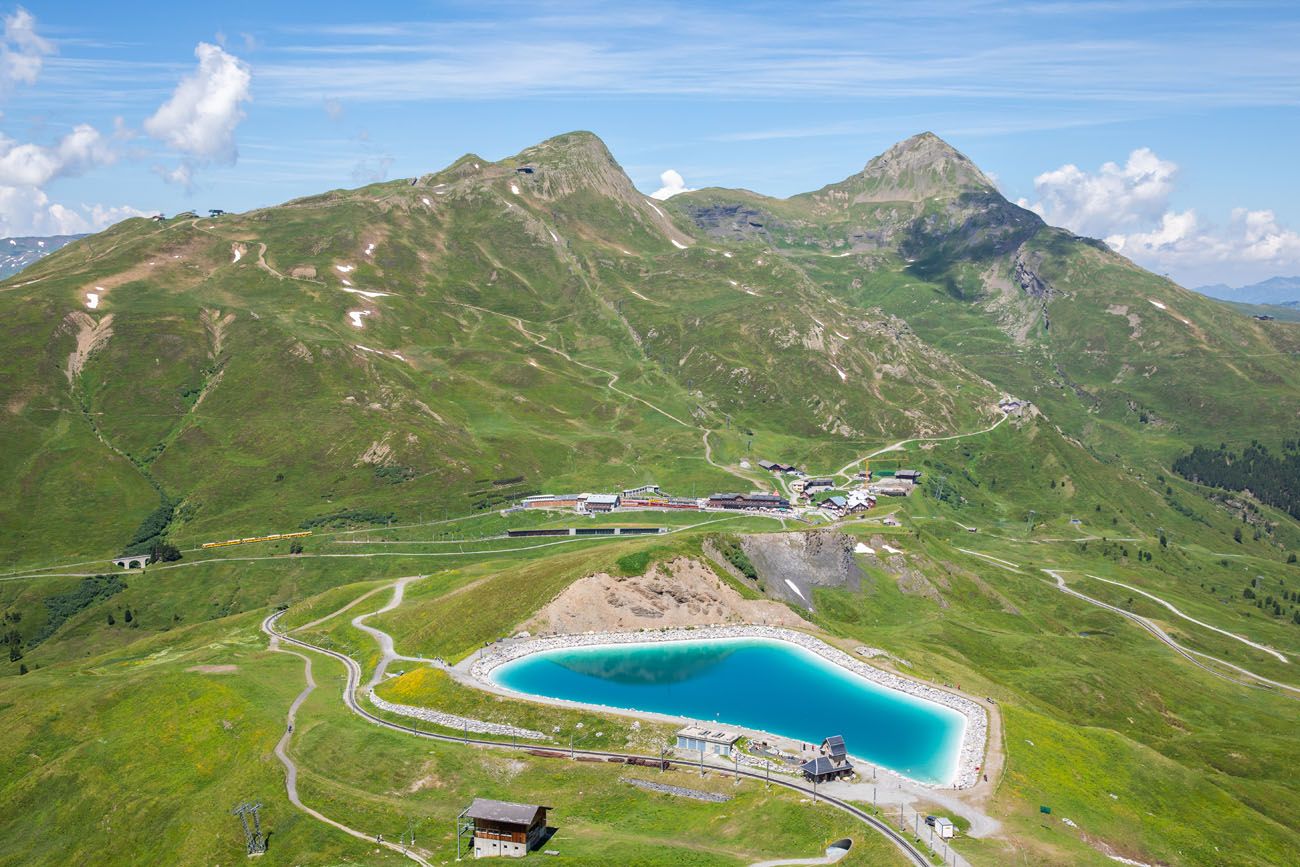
<point x="853" y="51"/>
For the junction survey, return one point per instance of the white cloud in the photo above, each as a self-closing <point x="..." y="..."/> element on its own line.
<point x="200" y="118"/>
<point x="672" y="185"/>
<point x="29" y="211"/>
<point x="22" y="51"/>
<point x="25" y="169"/>
<point x="1252" y="242"/>
<point x="182" y="175"/>
<point x="1113" y="197"/>
<point x="1128" y="206"/>
<point x="33" y="165"/>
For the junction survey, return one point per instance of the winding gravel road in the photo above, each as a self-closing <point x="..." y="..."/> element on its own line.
<point x="1243" y="639"/>
<point x="291" y="768"/>
<point x="383" y="639"/>
<point x="1185" y="652"/>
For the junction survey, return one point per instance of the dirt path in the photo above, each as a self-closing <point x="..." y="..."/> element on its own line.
<point x="833" y="855"/>
<point x="291" y="767"/>
<point x="539" y="340"/>
<point x="262" y="263"/>
<point x="844" y="470"/>
<point x="383" y="639"/>
<point x="708" y="457"/>
<point x="1185" y="652"/>
<point x="1234" y="635"/>
<point x="318" y="621"/>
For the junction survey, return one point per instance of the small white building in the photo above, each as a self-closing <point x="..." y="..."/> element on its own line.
<point x="714" y="742"/>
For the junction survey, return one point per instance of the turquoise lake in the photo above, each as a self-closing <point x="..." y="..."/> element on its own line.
<point x="772" y="686"/>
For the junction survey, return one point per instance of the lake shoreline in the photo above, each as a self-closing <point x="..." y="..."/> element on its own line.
<point x="479" y="669"/>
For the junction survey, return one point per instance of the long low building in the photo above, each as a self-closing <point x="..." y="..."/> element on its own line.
<point x="748" y="501"/>
<point x="601" y="502"/>
<point x="552" y="501"/>
<point x="715" y="742"/>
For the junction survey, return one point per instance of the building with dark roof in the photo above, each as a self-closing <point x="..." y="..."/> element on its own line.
<point x="822" y="769"/>
<point x="908" y="475"/>
<point x="834" y="749"/>
<point x="747" y="501"/>
<point x="774" y="467"/>
<point x="502" y="828"/>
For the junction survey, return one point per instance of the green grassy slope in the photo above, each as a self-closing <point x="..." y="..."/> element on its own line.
<point x="556" y="334"/>
<point x="574" y="335"/>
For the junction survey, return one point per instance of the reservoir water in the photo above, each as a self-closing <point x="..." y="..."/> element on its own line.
<point x="763" y="684"/>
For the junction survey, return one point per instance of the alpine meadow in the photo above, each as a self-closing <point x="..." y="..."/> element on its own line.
<point x="290" y="496"/>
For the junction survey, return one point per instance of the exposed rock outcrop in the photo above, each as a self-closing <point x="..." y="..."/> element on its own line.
<point x="681" y="592"/>
<point x="790" y="565"/>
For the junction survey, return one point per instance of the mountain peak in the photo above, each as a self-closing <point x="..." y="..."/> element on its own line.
<point x="921" y="167"/>
<point x="573" y="161"/>
<point x="570" y="149"/>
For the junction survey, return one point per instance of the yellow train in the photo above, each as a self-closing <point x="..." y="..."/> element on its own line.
<point x="271" y="538"/>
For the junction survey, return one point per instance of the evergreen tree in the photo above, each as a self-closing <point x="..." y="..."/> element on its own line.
<point x="127" y="615"/>
<point x="111" y="620"/>
<point x="1273" y="479"/>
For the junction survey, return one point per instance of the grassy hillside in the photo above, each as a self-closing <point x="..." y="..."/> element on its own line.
<point x="391" y="366"/>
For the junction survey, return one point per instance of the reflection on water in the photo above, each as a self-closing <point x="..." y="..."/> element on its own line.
<point x="758" y="684"/>
<point x="643" y="666"/>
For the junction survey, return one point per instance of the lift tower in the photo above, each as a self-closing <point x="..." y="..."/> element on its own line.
<point x="253" y="837"/>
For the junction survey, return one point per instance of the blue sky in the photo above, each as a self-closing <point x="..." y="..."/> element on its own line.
<point x="1168" y="128"/>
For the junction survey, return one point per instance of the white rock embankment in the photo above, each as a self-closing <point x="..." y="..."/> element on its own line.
<point x="973" y="737"/>
<point x="451" y="721"/>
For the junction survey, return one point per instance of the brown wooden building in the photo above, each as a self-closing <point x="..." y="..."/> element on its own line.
<point x="502" y="828"/>
<point x="748" y="501"/>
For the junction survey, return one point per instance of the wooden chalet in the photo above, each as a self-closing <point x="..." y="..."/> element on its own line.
<point x="502" y="828"/>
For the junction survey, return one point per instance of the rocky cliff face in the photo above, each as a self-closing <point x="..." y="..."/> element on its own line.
<point x="790" y="565"/>
<point x="733" y="221"/>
